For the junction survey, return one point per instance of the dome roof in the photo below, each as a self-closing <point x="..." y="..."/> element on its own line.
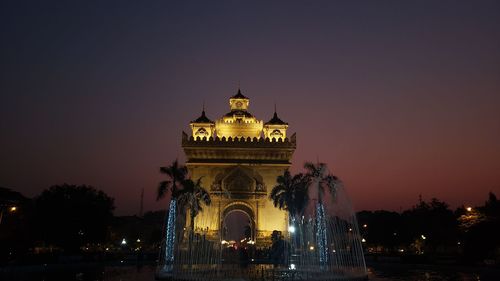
<point x="275" y="120"/>
<point x="202" y="119"/>
<point x="239" y="112"/>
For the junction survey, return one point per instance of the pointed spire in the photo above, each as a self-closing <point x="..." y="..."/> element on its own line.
<point x="275" y="120"/>
<point x="203" y="118"/>
<point x="239" y="95"/>
<point x="203" y="110"/>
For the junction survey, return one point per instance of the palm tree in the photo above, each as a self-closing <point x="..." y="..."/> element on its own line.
<point x="318" y="178"/>
<point x="290" y="194"/>
<point x="176" y="177"/>
<point x="192" y="197"/>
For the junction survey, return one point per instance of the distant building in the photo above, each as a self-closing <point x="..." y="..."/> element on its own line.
<point x="239" y="158"/>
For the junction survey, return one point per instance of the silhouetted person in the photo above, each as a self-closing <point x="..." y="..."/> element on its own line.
<point x="243" y="253"/>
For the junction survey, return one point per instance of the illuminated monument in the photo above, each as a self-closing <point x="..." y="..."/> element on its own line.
<point x="239" y="158"/>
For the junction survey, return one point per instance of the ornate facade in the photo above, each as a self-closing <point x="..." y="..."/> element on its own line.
<point x="238" y="158"/>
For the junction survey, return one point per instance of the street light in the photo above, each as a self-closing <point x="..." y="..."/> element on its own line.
<point x="291" y="229"/>
<point x="11" y="209"/>
<point x="469" y="209"/>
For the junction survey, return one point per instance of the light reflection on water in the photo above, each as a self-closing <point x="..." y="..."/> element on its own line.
<point x="393" y="272"/>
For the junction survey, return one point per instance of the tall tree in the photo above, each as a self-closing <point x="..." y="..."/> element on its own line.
<point x="319" y="178"/>
<point x="432" y="220"/>
<point x="192" y="197"/>
<point x="176" y="177"/>
<point x="70" y="216"/>
<point x="291" y="194"/>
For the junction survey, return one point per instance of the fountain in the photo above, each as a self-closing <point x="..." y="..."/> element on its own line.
<point x="323" y="244"/>
<point x="245" y="156"/>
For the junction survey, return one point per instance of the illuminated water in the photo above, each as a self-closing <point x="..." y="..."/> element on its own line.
<point x="325" y="242"/>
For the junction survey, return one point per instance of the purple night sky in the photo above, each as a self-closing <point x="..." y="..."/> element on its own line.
<point x="400" y="98"/>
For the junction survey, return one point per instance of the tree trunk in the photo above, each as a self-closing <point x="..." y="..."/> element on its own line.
<point x="191" y="235"/>
<point x="321" y="234"/>
<point x="170" y="236"/>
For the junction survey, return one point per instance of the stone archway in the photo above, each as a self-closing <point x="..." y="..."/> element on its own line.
<point x="240" y="206"/>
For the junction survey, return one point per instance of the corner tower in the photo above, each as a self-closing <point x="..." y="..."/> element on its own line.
<point x="238" y="163"/>
<point x="275" y="128"/>
<point x="202" y="127"/>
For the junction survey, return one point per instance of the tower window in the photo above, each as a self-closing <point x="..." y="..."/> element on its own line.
<point x="276" y="133"/>
<point x="202" y="132"/>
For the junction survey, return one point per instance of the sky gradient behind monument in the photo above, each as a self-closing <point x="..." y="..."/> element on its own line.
<point x="400" y="99"/>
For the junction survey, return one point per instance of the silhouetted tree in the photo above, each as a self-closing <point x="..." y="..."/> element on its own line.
<point x="432" y="224"/>
<point x="290" y="194"/>
<point x="317" y="177"/>
<point x="482" y="236"/>
<point x="176" y="175"/>
<point x="16" y="230"/>
<point x="192" y="197"/>
<point x="381" y="228"/>
<point x="69" y="216"/>
<point x="492" y="207"/>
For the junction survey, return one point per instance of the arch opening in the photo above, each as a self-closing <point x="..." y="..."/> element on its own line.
<point x="237" y="226"/>
<point x="238" y="222"/>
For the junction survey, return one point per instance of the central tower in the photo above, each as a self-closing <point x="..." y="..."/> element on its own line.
<point x="238" y="159"/>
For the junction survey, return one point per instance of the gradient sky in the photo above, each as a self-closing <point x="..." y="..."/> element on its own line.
<point x="400" y="98"/>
